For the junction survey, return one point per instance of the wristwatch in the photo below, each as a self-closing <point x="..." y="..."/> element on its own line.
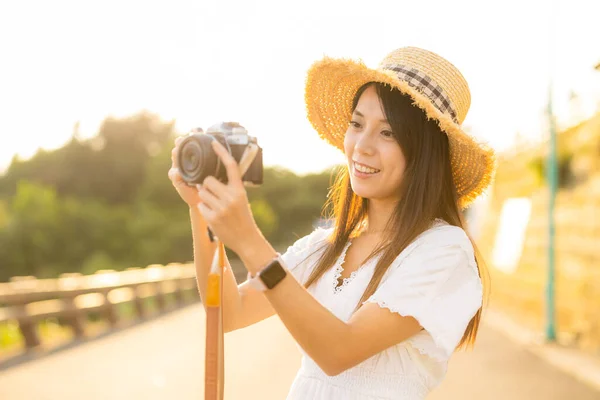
<point x="269" y="276"/>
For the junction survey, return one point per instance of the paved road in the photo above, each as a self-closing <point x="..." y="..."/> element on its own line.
<point x="164" y="359"/>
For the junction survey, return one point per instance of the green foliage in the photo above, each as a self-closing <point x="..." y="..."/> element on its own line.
<point x="108" y="167"/>
<point x="539" y="167"/>
<point x="296" y="200"/>
<point x="10" y="336"/>
<point x="107" y="203"/>
<point x="265" y="217"/>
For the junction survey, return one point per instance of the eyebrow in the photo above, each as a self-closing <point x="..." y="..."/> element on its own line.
<point x="385" y="121"/>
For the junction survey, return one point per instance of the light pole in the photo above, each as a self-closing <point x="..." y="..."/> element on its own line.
<point x="552" y="185"/>
<point x="552" y="177"/>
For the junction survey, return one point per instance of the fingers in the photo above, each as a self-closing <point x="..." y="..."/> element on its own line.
<point x="206" y="212"/>
<point x="174" y="175"/>
<point x="173" y="157"/>
<point x="213" y="202"/>
<point x="233" y="173"/>
<point x="175" y="150"/>
<point x="176" y="178"/>
<point x="177" y="181"/>
<point x="217" y="188"/>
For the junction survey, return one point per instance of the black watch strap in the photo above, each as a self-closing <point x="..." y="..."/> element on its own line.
<point x="272" y="274"/>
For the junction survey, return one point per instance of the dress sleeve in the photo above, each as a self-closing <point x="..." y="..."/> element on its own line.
<point x="438" y="284"/>
<point x="301" y="256"/>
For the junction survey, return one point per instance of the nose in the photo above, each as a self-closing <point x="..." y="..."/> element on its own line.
<point x="365" y="143"/>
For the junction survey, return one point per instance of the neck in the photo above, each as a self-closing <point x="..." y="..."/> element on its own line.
<point x="378" y="215"/>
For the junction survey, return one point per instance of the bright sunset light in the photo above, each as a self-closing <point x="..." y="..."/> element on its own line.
<point x="201" y="62"/>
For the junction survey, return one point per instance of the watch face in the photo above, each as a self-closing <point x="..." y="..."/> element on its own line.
<point x="272" y="274"/>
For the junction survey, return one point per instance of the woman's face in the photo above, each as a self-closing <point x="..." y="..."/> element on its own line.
<point x="370" y="143"/>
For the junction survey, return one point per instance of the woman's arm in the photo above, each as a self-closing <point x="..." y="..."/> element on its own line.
<point x="242" y="305"/>
<point x="204" y="250"/>
<point x="254" y="308"/>
<point x="333" y="344"/>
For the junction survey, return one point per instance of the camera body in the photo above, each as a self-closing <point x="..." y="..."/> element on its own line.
<point x="196" y="158"/>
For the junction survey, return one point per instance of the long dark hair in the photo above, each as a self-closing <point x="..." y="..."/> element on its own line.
<point x="427" y="192"/>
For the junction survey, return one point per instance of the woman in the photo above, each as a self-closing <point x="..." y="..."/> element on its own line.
<point x="379" y="302"/>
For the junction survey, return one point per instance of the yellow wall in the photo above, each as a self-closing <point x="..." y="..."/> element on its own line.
<point x="522" y="292"/>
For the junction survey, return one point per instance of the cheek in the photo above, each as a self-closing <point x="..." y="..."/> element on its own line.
<point x="348" y="144"/>
<point x="402" y="166"/>
<point x="398" y="166"/>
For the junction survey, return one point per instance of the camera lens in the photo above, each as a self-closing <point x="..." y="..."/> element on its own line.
<point x="192" y="158"/>
<point x="197" y="159"/>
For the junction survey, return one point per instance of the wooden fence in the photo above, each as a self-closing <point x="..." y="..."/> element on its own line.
<point x="71" y="297"/>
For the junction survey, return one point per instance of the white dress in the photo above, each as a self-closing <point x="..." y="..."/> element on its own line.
<point x="434" y="280"/>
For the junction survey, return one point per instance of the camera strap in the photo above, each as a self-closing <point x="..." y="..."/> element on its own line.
<point x="214" y="364"/>
<point x="214" y="360"/>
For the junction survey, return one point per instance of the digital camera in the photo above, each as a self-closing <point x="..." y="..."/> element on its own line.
<point x="196" y="158"/>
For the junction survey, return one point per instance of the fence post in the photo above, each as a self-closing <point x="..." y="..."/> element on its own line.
<point x="28" y="328"/>
<point x="74" y="318"/>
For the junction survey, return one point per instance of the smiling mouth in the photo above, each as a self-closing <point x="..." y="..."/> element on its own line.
<point x="365" y="169"/>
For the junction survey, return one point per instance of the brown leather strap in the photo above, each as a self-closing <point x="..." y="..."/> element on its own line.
<point x="214" y="364"/>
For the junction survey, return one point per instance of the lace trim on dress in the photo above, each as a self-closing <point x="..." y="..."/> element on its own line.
<point x="339" y="265"/>
<point x="417" y="341"/>
<point x="427" y="348"/>
<point x="339" y="268"/>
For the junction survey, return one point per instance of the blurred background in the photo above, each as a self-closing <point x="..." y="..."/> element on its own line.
<point x="94" y="240"/>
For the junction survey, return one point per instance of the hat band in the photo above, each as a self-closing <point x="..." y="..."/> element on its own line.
<point x="426" y="86"/>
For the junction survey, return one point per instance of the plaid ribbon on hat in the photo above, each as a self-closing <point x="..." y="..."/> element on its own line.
<point x="425" y="85"/>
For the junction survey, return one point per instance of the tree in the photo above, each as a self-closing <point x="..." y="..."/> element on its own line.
<point x="107" y="202"/>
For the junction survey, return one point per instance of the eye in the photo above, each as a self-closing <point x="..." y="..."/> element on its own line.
<point x="387" y="133"/>
<point x="354" y="124"/>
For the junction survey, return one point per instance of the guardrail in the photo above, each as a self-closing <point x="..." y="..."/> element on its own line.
<point x="71" y="297"/>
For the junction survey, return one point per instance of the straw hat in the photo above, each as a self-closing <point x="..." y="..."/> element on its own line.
<point x="435" y="85"/>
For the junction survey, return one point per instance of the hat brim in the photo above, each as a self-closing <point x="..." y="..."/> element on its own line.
<point x="331" y="85"/>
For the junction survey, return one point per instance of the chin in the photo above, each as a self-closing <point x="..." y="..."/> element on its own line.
<point x="369" y="193"/>
<point x="362" y="192"/>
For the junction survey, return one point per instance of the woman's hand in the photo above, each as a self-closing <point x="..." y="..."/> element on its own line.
<point x="225" y="207"/>
<point x="189" y="194"/>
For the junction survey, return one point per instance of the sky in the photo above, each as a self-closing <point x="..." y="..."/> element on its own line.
<point x="202" y="62"/>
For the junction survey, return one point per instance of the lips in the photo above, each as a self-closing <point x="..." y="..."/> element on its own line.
<point x="356" y="163"/>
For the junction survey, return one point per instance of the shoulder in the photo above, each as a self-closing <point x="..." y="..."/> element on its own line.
<point x="443" y="237"/>
<point x="441" y="250"/>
